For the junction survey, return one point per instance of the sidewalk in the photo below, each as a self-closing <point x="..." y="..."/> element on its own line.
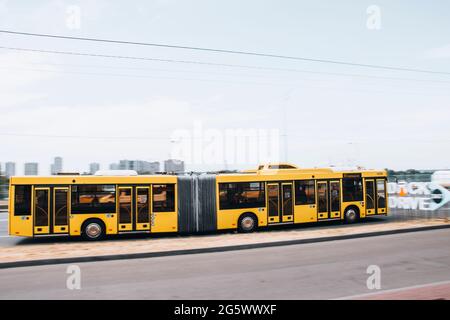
<point x="112" y="249"/>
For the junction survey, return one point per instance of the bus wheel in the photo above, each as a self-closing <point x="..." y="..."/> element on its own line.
<point x="93" y="230"/>
<point x="351" y="215"/>
<point x="247" y="223"/>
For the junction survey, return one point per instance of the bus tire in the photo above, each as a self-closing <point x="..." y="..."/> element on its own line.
<point x="93" y="230"/>
<point x="351" y="214"/>
<point x="248" y="222"/>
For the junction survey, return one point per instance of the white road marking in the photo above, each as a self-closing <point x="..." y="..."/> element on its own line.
<point x="376" y="292"/>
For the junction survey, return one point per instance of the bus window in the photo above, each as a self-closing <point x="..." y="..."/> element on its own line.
<point x="241" y="195"/>
<point x="305" y="192"/>
<point x="163" y="197"/>
<point x="93" y="199"/>
<point x="273" y="195"/>
<point x="370" y="191"/>
<point x="352" y="189"/>
<point x="381" y="194"/>
<point x="335" y="198"/>
<point x="322" y="196"/>
<point x="61" y="210"/>
<point x="125" y="208"/>
<point x="41" y="208"/>
<point x="22" y="200"/>
<point x="142" y="205"/>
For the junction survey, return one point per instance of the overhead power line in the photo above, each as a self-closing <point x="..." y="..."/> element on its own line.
<point x="129" y="57"/>
<point x="72" y="53"/>
<point x="248" y="53"/>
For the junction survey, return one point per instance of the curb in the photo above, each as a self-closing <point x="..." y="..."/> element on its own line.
<point x="43" y="262"/>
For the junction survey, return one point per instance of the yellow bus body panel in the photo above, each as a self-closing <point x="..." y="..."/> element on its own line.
<point x="19" y="225"/>
<point x="228" y="219"/>
<point x="76" y="221"/>
<point x="164" y="222"/>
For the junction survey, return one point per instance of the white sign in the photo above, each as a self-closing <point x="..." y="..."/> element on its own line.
<point x="426" y="196"/>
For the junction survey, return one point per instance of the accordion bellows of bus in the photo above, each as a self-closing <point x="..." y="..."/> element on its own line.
<point x="273" y="194"/>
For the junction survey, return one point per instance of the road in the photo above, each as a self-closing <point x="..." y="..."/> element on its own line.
<point x="324" y="270"/>
<point x="5" y="239"/>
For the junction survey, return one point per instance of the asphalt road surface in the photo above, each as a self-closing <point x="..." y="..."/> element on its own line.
<point x="5" y="240"/>
<point x="326" y="270"/>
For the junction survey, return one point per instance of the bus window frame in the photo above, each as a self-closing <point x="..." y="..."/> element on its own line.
<point x="113" y="209"/>
<point x="262" y="195"/>
<point x="27" y="212"/>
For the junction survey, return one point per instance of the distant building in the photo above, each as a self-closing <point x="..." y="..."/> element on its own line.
<point x="94" y="167"/>
<point x="173" y="165"/>
<point x="10" y="169"/>
<point x="31" y="169"/>
<point x="114" y="166"/>
<point x="141" y="167"/>
<point x="56" y="166"/>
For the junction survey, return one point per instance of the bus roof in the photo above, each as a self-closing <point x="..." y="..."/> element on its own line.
<point x="285" y="171"/>
<point x="87" y="179"/>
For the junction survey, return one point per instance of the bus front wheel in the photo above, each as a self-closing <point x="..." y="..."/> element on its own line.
<point x="93" y="230"/>
<point x="351" y="215"/>
<point x="247" y="223"/>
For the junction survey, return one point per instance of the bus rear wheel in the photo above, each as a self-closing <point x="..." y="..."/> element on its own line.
<point x="93" y="230"/>
<point x="351" y="215"/>
<point x="247" y="223"/>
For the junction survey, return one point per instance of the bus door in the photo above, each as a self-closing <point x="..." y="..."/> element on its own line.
<point x="60" y="210"/>
<point x="21" y="215"/>
<point x="279" y="202"/>
<point x="41" y="210"/>
<point x="370" y="197"/>
<point x="273" y="202"/>
<point x="329" y="199"/>
<point x="125" y="209"/>
<point x="322" y="199"/>
<point x="50" y="210"/>
<point x="287" y="207"/>
<point x="335" y="199"/>
<point x="381" y="196"/>
<point x="142" y="216"/>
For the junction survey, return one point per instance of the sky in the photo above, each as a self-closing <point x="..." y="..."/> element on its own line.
<point x="226" y="111"/>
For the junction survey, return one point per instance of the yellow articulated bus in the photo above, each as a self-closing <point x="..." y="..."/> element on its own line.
<point x="95" y="206"/>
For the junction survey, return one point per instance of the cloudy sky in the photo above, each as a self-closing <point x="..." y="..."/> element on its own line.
<point x="102" y="109"/>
